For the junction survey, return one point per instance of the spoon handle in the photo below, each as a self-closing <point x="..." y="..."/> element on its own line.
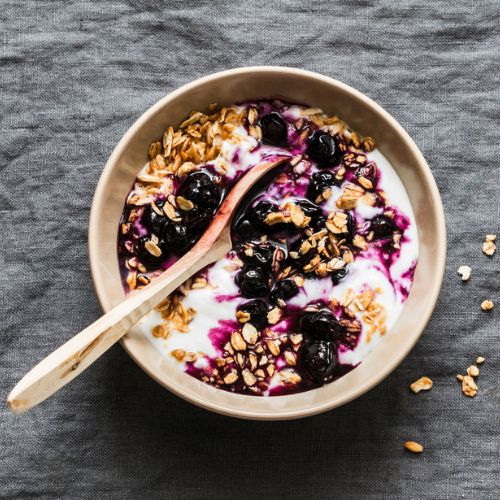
<point x="73" y="357"/>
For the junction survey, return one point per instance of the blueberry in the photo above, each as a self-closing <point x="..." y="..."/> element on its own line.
<point x="253" y="283"/>
<point x="324" y="150"/>
<point x="258" y="312"/>
<point x="339" y="275"/>
<point x="274" y="130"/>
<point x="199" y="219"/>
<point x="259" y="213"/>
<point x="148" y="259"/>
<point x="178" y="238"/>
<point x="382" y="226"/>
<point x="151" y="220"/>
<point x="319" y="182"/>
<point x="261" y="256"/>
<point x="319" y="360"/>
<point x="322" y="325"/>
<point x="245" y="229"/>
<point x="284" y="290"/>
<point x="201" y="190"/>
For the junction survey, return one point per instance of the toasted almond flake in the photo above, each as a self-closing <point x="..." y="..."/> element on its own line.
<point x="368" y="144"/>
<point x="414" y="447"/>
<point x="249" y="252"/>
<point x="153" y="248"/>
<point x="184" y="204"/>
<point x="347" y="202"/>
<point x="242" y="316"/>
<point x="366" y="183"/>
<point x="347" y="297"/>
<point x="299" y="280"/>
<point x="199" y="283"/>
<point x="297" y="215"/>
<point x="480" y="360"/>
<point x="169" y="210"/>
<point x="369" y="199"/>
<point x="186" y="168"/>
<point x="469" y="387"/>
<point x="253" y="115"/>
<point x="178" y="354"/>
<point x="304" y="247"/>
<point x="290" y="376"/>
<point x="473" y="371"/>
<point x="360" y="242"/>
<point x="230" y="378"/>
<point x="460" y="377"/>
<point x="194" y="118"/>
<point x="486" y="305"/>
<point x="252" y="357"/>
<point x="255" y="131"/>
<point x="273" y="347"/>
<point x="274" y="218"/>
<point x="348" y="257"/>
<point x="291" y="358"/>
<point x="248" y="377"/>
<point x="274" y="315"/>
<point x="249" y="333"/>
<point x="489" y="247"/>
<point x="190" y="357"/>
<point x="271" y="370"/>
<point x="237" y="341"/>
<point x="297" y="339"/>
<point x="160" y="331"/>
<point x="491" y="237"/>
<point x="422" y="384"/>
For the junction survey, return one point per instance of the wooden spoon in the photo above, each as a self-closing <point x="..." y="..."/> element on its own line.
<point x="69" y="360"/>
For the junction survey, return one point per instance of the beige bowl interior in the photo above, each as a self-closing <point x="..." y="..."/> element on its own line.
<point x="360" y="113"/>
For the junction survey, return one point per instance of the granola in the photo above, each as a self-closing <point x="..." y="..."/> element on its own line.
<point x="303" y="287"/>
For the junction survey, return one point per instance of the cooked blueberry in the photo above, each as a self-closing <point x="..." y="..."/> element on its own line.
<point x="258" y="312"/>
<point x="253" y="283"/>
<point x="199" y="219"/>
<point x="284" y="290"/>
<point x="245" y="229"/>
<point x="147" y="258"/>
<point x="260" y="255"/>
<point x="319" y="360"/>
<point x="324" y="150"/>
<point x="339" y="275"/>
<point x="274" y="129"/>
<point x="201" y="190"/>
<point x="259" y="213"/>
<point x="321" y="325"/>
<point x="151" y="220"/>
<point x="178" y="238"/>
<point x="382" y="226"/>
<point x="319" y="182"/>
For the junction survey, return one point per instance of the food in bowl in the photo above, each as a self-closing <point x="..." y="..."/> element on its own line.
<point x="323" y="253"/>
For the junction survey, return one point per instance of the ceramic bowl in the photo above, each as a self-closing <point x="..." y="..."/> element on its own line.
<point x="335" y="98"/>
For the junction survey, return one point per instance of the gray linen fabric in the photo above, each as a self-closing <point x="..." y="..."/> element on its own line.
<point x="74" y="76"/>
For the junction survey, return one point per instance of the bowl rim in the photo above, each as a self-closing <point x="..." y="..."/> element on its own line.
<point x="440" y="257"/>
